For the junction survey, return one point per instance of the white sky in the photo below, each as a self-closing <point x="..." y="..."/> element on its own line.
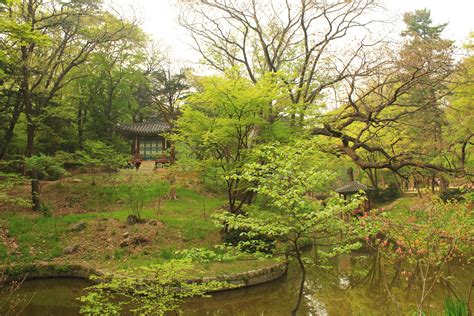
<point x="159" y="20"/>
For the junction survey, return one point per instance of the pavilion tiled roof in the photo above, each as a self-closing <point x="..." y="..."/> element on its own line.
<point x="353" y="187"/>
<point x="143" y="129"/>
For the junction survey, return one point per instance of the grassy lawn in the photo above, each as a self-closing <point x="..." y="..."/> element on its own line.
<point x="411" y="209"/>
<point x="103" y="202"/>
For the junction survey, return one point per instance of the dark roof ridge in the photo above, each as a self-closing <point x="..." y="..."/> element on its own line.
<point x="353" y="187"/>
<point x="144" y="128"/>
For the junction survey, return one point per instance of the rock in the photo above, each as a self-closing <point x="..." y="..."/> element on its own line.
<point x="139" y="240"/>
<point x="125" y="242"/>
<point x="132" y="219"/>
<point x="126" y="235"/>
<point x="77" y="180"/>
<point x="70" y="249"/>
<point x="77" y="227"/>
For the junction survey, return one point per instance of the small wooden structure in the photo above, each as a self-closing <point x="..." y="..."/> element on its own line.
<point x="148" y="139"/>
<point x="354" y="187"/>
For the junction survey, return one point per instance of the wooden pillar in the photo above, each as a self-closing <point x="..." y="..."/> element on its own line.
<point x="136" y="147"/>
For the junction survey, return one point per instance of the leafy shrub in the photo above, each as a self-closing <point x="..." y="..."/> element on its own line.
<point x="95" y="153"/>
<point x="454" y="194"/>
<point x="205" y="255"/>
<point x="100" y="154"/>
<point x="153" y="290"/>
<point x="385" y="196"/>
<point x="45" y="167"/>
<point x="136" y="196"/>
<point x="13" y="165"/>
<point x="167" y="253"/>
<point x="8" y="182"/>
<point x="250" y="243"/>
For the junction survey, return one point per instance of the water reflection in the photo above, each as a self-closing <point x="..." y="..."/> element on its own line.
<point x="352" y="285"/>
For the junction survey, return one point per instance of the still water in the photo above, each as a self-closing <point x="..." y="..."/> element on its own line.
<point x="351" y="285"/>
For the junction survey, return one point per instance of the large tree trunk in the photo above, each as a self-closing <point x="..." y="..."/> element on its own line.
<point x="172" y="153"/>
<point x="443" y="184"/>
<point x="433" y="182"/>
<point x="9" y="132"/>
<point x="373" y="178"/>
<point x="400" y="184"/>
<point x="30" y="139"/>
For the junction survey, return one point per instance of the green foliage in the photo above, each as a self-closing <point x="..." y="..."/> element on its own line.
<point x="422" y="249"/>
<point x="248" y="242"/>
<point x="100" y="154"/>
<point x="136" y="199"/>
<point x="285" y="178"/>
<point x="219" y="253"/>
<point x="138" y="194"/>
<point x="167" y="253"/>
<point x="455" y="307"/>
<point x="419" y="23"/>
<point x="147" y="290"/>
<point x="220" y="124"/>
<point x="45" y="167"/>
<point x="460" y="115"/>
<point x="221" y="116"/>
<point x="37" y="237"/>
<point x="8" y="182"/>
<point x="387" y="195"/>
<point x="455" y="194"/>
<point x="186" y="216"/>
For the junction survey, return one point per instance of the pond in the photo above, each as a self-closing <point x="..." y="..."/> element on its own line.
<point x="351" y="285"/>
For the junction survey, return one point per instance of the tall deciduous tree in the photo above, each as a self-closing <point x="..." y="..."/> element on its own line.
<point x="286" y="176"/>
<point x="220" y="123"/>
<point x="399" y="99"/>
<point x="73" y="31"/>
<point x="298" y="38"/>
<point x="459" y="132"/>
<point x="167" y="92"/>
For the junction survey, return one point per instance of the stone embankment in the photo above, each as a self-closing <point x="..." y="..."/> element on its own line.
<point x="235" y="280"/>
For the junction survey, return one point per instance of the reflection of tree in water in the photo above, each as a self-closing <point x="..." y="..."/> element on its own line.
<point x="369" y="270"/>
<point x="12" y="302"/>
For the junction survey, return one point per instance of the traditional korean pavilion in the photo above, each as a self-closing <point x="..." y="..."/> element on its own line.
<point x="354" y="187"/>
<point x="148" y="140"/>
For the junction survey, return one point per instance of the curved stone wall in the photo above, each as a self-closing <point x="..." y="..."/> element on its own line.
<point x="248" y="278"/>
<point x="235" y="280"/>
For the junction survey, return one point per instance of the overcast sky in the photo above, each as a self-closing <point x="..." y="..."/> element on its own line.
<point x="159" y="20"/>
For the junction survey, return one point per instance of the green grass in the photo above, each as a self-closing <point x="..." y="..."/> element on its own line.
<point x="105" y="194"/>
<point x="455" y="307"/>
<point x="167" y="253"/>
<point x="186" y="222"/>
<point x="405" y="207"/>
<point x="43" y="238"/>
<point x="3" y="253"/>
<point x="40" y="235"/>
<point x="188" y="215"/>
